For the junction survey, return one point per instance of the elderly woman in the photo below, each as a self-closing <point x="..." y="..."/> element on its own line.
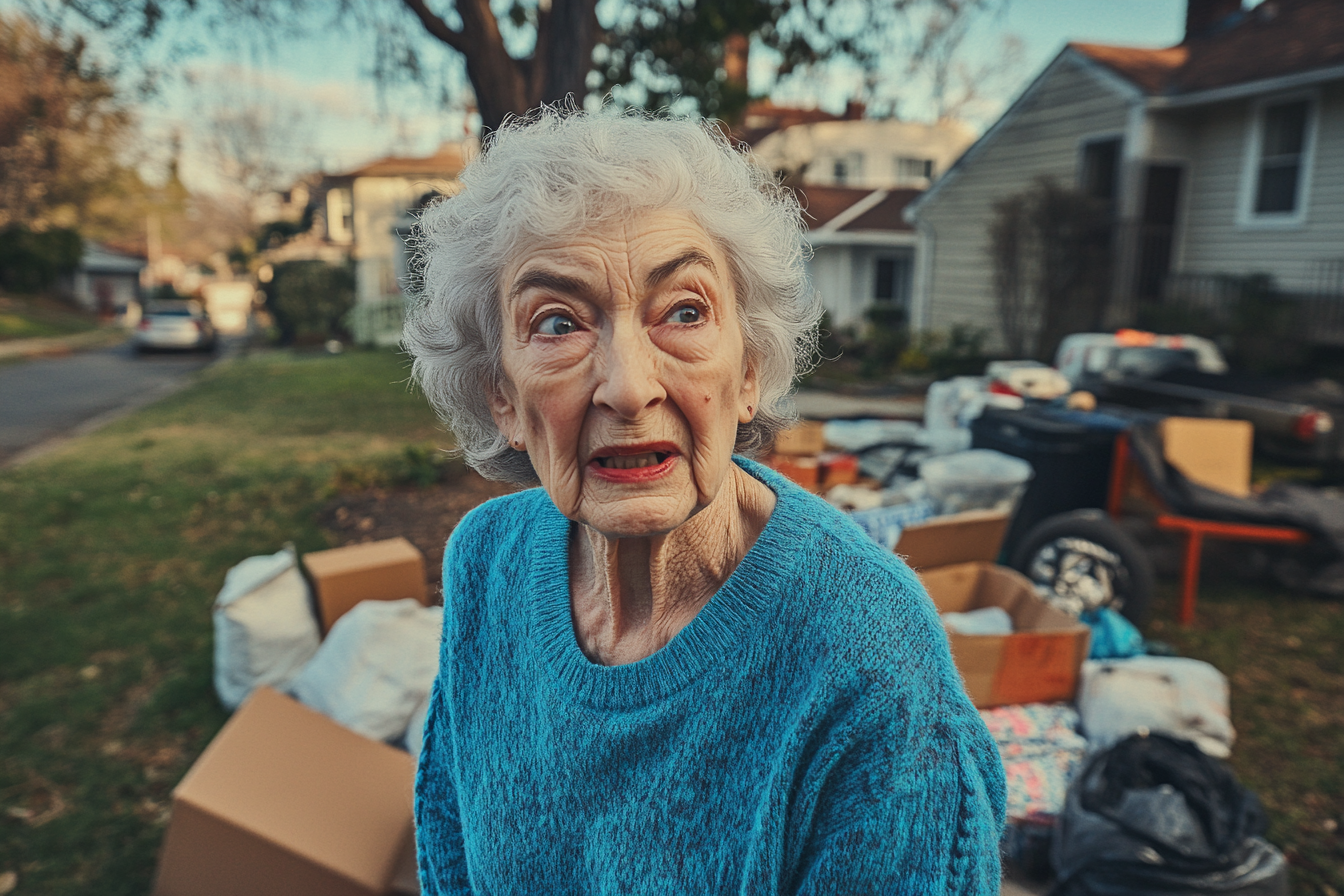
<point x="667" y="670"/>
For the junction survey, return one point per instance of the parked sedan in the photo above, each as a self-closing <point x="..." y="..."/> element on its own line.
<point x="174" y="325"/>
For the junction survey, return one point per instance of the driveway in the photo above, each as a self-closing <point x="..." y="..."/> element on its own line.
<point x="45" y="398"/>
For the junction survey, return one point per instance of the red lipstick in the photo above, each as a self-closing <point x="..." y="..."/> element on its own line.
<point x="628" y="464"/>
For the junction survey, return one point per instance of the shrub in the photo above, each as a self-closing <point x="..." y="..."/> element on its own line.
<point x="309" y="300"/>
<point x="30" y="261"/>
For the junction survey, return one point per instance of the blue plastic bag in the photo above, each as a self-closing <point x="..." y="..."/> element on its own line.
<point x="1113" y="636"/>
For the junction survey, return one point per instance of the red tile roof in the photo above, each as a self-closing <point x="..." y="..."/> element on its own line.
<point x="447" y="161"/>
<point x="763" y="118"/>
<point x="823" y="204"/>
<point x="1276" y="38"/>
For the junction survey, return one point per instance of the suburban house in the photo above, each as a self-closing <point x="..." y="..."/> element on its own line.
<point x="363" y="208"/>
<point x="854" y="178"/>
<point x="359" y="216"/>
<point x="872" y="153"/>
<point x="863" y="251"/>
<point x="1220" y="156"/>
<point x="106" y="281"/>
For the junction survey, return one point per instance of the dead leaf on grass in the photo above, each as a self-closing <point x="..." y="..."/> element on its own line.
<point x="8" y="881"/>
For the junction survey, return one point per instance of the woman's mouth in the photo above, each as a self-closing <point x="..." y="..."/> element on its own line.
<point x="633" y="464"/>
<point x="632" y="461"/>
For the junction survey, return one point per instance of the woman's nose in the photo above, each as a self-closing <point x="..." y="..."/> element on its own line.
<point x="629" y="382"/>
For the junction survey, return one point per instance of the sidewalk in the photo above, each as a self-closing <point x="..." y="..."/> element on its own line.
<point x="45" y="346"/>
<point x="814" y="404"/>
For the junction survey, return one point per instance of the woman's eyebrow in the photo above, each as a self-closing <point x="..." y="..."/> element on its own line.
<point x="550" y="281"/>
<point x="668" y="268"/>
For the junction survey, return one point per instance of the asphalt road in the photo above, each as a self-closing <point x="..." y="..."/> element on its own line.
<point x="47" y="398"/>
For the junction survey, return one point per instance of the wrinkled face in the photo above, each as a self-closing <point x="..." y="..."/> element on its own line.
<point x="625" y="372"/>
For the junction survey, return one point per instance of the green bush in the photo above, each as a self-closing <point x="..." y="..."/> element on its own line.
<point x="887" y="337"/>
<point x="310" y="300"/>
<point x="30" y="261"/>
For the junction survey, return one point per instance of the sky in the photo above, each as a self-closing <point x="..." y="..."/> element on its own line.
<point x="330" y="116"/>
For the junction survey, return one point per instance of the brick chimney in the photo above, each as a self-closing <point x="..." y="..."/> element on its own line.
<point x="1202" y="16"/>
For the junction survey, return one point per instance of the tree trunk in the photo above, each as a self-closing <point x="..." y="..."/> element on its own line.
<point x="568" y="37"/>
<point x="567" y="31"/>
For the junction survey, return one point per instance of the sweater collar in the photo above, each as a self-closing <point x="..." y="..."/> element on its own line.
<point x="717" y="634"/>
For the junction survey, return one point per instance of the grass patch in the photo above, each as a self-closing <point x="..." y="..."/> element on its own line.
<point x="1281" y="654"/>
<point x="34" y="316"/>
<point x="111" y="551"/>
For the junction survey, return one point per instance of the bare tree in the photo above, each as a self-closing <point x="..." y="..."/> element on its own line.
<point x="531" y="51"/>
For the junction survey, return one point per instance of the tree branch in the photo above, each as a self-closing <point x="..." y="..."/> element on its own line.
<point x="436" y="26"/>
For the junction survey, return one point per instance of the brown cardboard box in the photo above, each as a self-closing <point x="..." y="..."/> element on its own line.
<point x="838" y="468"/>
<point x="1213" y="453"/>
<point x="285" y="801"/>
<point x="1038" y="662"/>
<point x="803" y="438"/>
<point x="955" y="538"/>
<point x="380" y="570"/>
<point x="804" y="471"/>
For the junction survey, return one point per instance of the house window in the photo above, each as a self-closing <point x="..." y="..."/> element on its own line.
<point x="340" y="216"/>
<point x="914" y="169"/>
<point x="891" y="280"/>
<point x="1099" y="175"/>
<point x="847" y="170"/>
<point x="1283" y="141"/>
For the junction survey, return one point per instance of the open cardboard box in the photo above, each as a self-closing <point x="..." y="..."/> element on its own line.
<point x="1041" y="660"/>
<point x="378" y="570"/>
<point x="1038" y="663"/>
<point x="285" y="801"/>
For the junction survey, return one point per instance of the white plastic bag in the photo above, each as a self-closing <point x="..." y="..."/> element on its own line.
<point x="979" y="479"/>
<point x="415" y="731"/>
<point x="1172" y="695"/>
<point x="375" y="667"/>
<point x="264" y="626"/>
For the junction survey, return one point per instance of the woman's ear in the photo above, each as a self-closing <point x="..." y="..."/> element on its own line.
<point x="506" y="417"/>
<point x="749" y="400"/>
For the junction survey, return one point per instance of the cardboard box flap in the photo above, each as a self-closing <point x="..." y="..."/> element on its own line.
<point x="289" y="775"/>
<point x="954" y="538"/>
<point x="1038" y="662"/>
<point x="351" y="558"/>
<point x="1213" y="453"/>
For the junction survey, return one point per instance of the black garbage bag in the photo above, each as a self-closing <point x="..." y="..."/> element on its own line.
<point x="1154" y="814"/>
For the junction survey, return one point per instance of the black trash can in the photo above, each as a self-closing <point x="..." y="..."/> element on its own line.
<point x="1070" y="453"/>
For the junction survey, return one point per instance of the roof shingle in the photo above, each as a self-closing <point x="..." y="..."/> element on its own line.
<point x="1275" y="39"/>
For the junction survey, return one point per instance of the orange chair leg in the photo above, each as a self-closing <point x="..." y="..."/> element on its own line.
<point x="1190" y="576"/>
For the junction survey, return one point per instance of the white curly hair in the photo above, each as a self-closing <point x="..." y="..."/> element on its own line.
<point x="559" y="171"/>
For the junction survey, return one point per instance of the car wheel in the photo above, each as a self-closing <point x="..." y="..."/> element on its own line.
<point x="1082" y="561"/>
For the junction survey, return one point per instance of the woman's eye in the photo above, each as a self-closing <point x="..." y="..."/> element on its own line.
<point x="686" y="314"/>
<point x="556" y="325"/>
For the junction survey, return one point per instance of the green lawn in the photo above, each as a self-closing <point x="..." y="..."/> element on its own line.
<point x="112" y="549"/>
<point x="1282" y="655"/>
<point x="24" y="317"/>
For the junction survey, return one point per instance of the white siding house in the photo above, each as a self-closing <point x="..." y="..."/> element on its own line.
<point x="1223" y="155"/>
<point x="863" y="251"/>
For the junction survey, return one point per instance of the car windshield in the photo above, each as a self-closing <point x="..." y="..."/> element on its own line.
<point x="1147" y="361"/>
<point x="172" y="309"/>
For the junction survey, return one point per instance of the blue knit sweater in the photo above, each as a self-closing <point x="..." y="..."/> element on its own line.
<point x="805" y="733"/>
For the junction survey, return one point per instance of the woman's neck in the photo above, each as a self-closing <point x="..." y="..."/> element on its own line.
<point x="630" y="596"/>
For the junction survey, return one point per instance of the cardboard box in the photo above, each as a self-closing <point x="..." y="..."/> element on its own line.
<point x="805" y="471"/>
<point x="805" y="438"/>
<point x="954" y="538"/>
<point x="1039" y="662"/>
<point x="838" y="468"/>
<point x="285" y="801"/>
<point x="380" y="570"/>
<point x="1213" y="453"/>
